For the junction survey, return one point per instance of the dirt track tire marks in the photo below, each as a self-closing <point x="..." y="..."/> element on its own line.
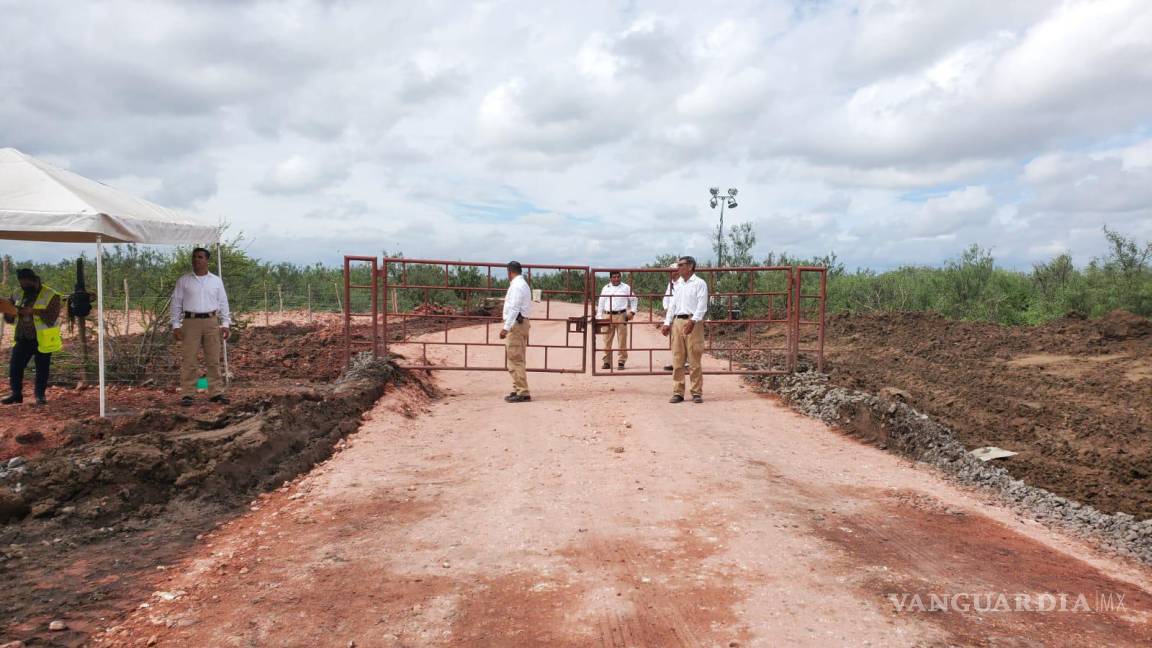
<point x="658" y="619"/>
<point x="901" y="542"/>
<point x="715" y="523"/>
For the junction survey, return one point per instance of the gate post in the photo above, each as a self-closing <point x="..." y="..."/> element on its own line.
<point x="793" y="318"/>
<point x="347" y="306"/>
<point x="347" y="312"/>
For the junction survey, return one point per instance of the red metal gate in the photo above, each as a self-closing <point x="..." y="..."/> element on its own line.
<point x="429" y="314"/>
<point x="355" y="301"/>
<point x="750" y="327"/>
<point x="810" y="313"/>
<point x="432" y="311"/>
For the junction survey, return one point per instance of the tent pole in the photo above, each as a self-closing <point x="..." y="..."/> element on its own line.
<point x="220" y="273"/>
<point x="100" y="317"/>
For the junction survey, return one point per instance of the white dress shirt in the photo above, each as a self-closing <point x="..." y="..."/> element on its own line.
<point x="199" y="294"/>
<point x="689" y="298"/>
<point x="614" y="298"/>
<point x="517" y="301"/>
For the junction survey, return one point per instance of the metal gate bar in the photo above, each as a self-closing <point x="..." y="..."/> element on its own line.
<point x="741" y="300"/>
<point x="349" y="312"/>
<point x="748" y="306"/>
<point x="454" y="294"/>
<point x="819" y="322"/>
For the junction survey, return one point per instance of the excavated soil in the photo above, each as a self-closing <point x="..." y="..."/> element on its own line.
<point x="1072" y="397"/>
<point x="90" y="526"/>
<point x="265" y="361"/>
<point x="600" y="514"/>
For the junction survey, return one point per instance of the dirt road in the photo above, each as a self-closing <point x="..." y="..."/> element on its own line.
<point x="601" y="515"/>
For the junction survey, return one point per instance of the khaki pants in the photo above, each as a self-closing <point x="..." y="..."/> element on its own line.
<point x="516" y="345"/>
<point x="198" y="333"/>
<point x="692" y="348"/>
<point x="619" y="329"/>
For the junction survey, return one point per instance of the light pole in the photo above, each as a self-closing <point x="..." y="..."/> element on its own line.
<point x="730" y="201"/>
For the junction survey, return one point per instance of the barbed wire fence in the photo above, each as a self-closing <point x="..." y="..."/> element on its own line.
<point x="139" y="344"/>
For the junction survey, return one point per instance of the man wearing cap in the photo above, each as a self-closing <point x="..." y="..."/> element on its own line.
<point x="200" y="319"/>
<point x="618" y="305"/>
<point x="684" y="321"/>
<point x="37" y="335"/>
<point x="517" y="310"/>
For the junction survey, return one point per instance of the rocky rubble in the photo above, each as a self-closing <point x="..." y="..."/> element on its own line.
<point x="898" y="427"/>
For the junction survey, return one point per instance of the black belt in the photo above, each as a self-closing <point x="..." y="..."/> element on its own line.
<point x="519" y="318"/>
<point x="190" y="315"/>
<point x="683" y="317"/>
<point x="618" y="312"/>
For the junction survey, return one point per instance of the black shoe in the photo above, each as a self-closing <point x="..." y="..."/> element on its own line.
<point x="620" y="365"/>
<point x="12" y="399"/>
<point x="517" y="398"/>
<point x="220" y="398"/>
<point x="667" y="367"/>
<point x="186" y="401"/>
<point x="697" y="398"/>
<point x="676" y="398"/>
<point x="606" y="366"/>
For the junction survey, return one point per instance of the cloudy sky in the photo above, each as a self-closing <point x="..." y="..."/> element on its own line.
<point x="888" y="131"/>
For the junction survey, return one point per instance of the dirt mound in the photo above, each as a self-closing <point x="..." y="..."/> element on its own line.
<point x="886" y="421"/>
<point x="264" y="361"/>
<point x="90" y="519"/>
<point x="1122" y="325"/>
<point x="1073" y="397"/>
<point x="434" y="309"/>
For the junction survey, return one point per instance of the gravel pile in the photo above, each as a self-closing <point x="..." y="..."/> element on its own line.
<point x="912" y="434"/>
<point x="365" y="366"/>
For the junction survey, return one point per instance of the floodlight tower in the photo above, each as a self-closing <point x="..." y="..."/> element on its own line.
<point x="730" y="202"/>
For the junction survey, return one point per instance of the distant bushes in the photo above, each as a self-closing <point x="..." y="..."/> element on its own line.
<point x="972" y="287"/>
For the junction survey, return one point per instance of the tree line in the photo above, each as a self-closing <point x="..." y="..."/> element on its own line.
<point x="969" y="286"/>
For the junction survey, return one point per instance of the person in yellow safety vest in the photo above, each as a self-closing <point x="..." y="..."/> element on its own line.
<point x="37" y="335"/>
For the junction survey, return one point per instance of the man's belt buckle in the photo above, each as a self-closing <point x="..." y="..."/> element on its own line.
<point x="191" y="315"/>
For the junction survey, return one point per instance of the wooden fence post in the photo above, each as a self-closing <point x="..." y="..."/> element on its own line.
<point x="127" y="313"/>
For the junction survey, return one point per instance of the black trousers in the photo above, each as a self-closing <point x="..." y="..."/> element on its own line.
<point x="22" y="352"/>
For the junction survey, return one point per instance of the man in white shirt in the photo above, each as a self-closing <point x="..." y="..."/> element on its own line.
<point x="618" y="305"/>
<point x="200" y="318"/>
<point x="517" y="311"/>
<point x="684" y="321"/>
<point x="673" y="277"/>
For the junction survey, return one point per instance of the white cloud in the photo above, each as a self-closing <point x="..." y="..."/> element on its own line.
<point x="300" y="174"/>
<point x="891" y="130"/>
<point x="1116" y="181"/>
<point x="953" y="211"/>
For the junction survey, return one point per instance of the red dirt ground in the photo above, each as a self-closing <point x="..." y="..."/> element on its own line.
<point x="264" y="361"/>
<point x="1073" y="397"/>
<point x="601" y="515"/>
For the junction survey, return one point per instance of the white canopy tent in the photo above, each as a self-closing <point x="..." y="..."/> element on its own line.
<point x="41" y="202"/>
